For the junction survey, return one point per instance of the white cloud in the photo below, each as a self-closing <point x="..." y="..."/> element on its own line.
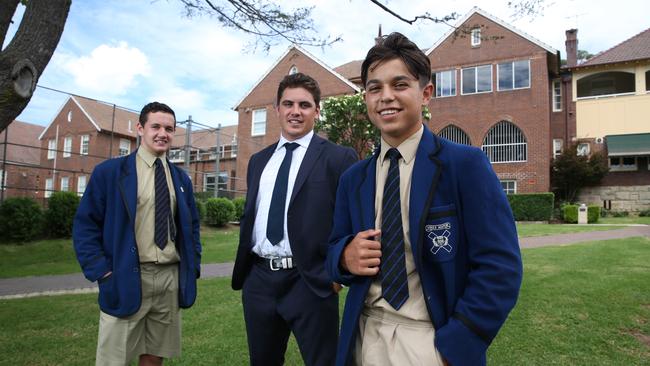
<point x="108" y="69"/>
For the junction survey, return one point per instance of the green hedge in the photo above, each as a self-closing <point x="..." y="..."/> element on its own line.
<point x="201" y="207"/>
<point x="531" y="206"/>
<point x="219" y="211"/>
<point x="570" y="214"/>
<point x="240" y="203"/>
<point x="593" y="213"/>
<point x="61" y="207"/>
<point x="21" y="219"/>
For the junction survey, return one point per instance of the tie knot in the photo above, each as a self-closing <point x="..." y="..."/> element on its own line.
<point x="393" y="154"/>
<point x="158" y="162"/>
<point x="290" y="146"/>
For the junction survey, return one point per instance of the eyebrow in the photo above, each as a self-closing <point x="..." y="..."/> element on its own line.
<point x="396" y="78"/>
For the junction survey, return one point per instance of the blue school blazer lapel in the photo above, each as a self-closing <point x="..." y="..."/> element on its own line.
<point x="129" y="185"/>
<point x="366" y="196"/>
<point x="426" y="173"/>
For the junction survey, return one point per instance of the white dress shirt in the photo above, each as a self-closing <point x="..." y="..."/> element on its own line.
<point x="261" y="245"/>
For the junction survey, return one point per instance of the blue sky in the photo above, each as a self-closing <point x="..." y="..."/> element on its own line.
<point x="133" y="52"/>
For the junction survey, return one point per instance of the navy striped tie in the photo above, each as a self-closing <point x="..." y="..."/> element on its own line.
<point x="162" y="206"/>
<point x="394" y="284"/>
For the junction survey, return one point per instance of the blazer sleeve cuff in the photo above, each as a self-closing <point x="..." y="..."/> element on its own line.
<point x="459" y="345"/>
<point x="338" y="274"/>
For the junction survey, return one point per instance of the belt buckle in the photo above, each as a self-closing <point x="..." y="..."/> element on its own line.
<point x="271" y="260"/>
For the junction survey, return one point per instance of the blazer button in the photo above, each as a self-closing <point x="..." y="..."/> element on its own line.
<point x="135" y="269"/>
<point x="132" y="249"/>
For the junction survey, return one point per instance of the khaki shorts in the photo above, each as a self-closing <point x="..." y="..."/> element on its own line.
<point x="155" y="329"/>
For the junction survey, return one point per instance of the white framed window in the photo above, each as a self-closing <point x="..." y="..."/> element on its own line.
<point x="176" y="155"/>
<point x="84" y="144"/>
<point x="505" y="143"/>
<point x="446" y="83"/>
<point x="557" y="95"/>
<point x="69" y="116"/>
<point x="258" y="127"/>
<point x="3" y="176"/>
<point x="130" y="126"/>
<point x="51" y="149"/>
<point x="558" y="145"/>
<point x="475" y="37"/>
<point x="67" y="146"/>
<point x="622" y="163"/>
<point x="208" y="182"/>
<point x="49" y="186"/>
<point x="476" y="79"/>
<point x="125" y="147"/>
<point x="583" y="149"/>
<point x="455" y="134"/>
<point x="81" y="185"/>
<point x="65" y="184"/>
<point x="293" y="70"/>
<point x="513" y="75"/>
<point x="509" y="186"/>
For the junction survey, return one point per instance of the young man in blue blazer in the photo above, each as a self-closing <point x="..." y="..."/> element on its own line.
<point x="136" y="232"/>
<point x="423" y="234"/>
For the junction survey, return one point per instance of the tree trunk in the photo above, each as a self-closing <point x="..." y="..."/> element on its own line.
<point x="22" y="62"/>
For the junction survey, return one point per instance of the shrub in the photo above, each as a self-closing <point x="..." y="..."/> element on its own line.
<point x="620" y="214"/>
<point x="531" y="207"/>
<point x="240" y="203"/>
<point x="593" y="213"/>
<point x="219" y="211"/>
<point x="21" y="219"/>
<point x="201" y="207"/>
<point x="59" y="215"/>
<point x="570" y="214"/>
<point x="645" y="213"/>
<point x="203" y="196"/>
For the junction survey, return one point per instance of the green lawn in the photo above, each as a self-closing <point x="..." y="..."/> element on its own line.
<point x="525" y="230"/>
<point x="625" y="220"/>
<point x="583" y="304"/>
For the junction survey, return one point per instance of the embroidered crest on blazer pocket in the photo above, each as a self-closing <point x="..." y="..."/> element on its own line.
<point x="440" y="234"/>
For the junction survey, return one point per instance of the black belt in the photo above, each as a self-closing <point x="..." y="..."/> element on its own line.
<point x="276" y="263"/>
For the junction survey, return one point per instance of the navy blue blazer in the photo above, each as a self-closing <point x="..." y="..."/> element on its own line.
<point x="464" y="244"/>
<point x="309" y="216"/>
<point x="104" y="235"/>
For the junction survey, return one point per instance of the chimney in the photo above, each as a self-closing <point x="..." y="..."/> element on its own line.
<point x="379" y="37"/>
<point x="571" y="47"/>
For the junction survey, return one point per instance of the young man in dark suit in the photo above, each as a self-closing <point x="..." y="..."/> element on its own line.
<point x="136" y="232"/>
<point x="423" y="233"/>
<point x="284" y="231"/>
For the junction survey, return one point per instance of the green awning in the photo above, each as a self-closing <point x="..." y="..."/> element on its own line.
<point x="628" y="145"/>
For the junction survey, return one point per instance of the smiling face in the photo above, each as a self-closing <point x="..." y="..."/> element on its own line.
<point x="157" y="133"/>
<point x="297" y="112"/>
<point x="394" y="99"/>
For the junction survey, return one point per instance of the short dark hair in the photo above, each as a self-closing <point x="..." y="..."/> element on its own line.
<point x="154" y="107"/>
<point x="299" y="80"/>
<point x="396" y="45"/>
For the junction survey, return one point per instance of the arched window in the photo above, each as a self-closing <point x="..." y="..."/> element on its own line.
<point x="505" y="143"/>
<point x="606" y="83"/>
<point x="455" y="134"/>
<point x="293" y="70"/>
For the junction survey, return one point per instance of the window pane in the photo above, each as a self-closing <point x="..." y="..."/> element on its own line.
<point x="522" y="78"/>
<point x="505" y="76"/>
<point x="605" y="83"/>
<point x="484" y="80"/>
<point x="469" y="81"/>
<point x="438" y="84"/>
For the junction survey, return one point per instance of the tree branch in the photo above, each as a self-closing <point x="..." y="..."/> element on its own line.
<point x="7" y="10"/>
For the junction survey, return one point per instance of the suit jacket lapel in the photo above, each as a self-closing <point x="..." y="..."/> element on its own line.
<point x="314" y="150"/>
<point x="367" y="193"/>
<point x="426" y="173"/>
<point x="129" y="185"/>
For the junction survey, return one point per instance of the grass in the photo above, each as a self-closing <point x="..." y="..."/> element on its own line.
<point x="625" y="220"/>
<point x="56" y="256"/>
<point x="526" y="230"/>
<point x="583" y="304"/>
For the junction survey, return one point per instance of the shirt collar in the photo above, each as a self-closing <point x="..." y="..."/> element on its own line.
<point x="407" y="148"/>
<point x="303" y="141"/>
<point x="150" y="158"/>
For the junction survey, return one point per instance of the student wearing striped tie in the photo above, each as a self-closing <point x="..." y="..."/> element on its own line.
<point x="423" y="233"/>
<point x="136" y="233"/>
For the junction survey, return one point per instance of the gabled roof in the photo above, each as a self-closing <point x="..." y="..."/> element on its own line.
<point x="22" y="133"/>
<point x="477" y="10"/>
<point x="350" y="70"/>
<point x="632" y="49"/>
<point x="309" y="55"/>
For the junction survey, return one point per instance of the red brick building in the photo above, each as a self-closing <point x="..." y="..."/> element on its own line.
<point x="258" y="124"/>
<point x="19" y="160"/>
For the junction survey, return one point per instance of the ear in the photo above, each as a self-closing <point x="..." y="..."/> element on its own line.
<point x="427" y="93"/>
<point x="140" y="129"/>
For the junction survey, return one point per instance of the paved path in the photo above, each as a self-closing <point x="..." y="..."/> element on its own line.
<point x="76" y="283"/>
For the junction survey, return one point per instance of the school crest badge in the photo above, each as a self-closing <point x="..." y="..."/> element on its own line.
<point x="439" y="236"/>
